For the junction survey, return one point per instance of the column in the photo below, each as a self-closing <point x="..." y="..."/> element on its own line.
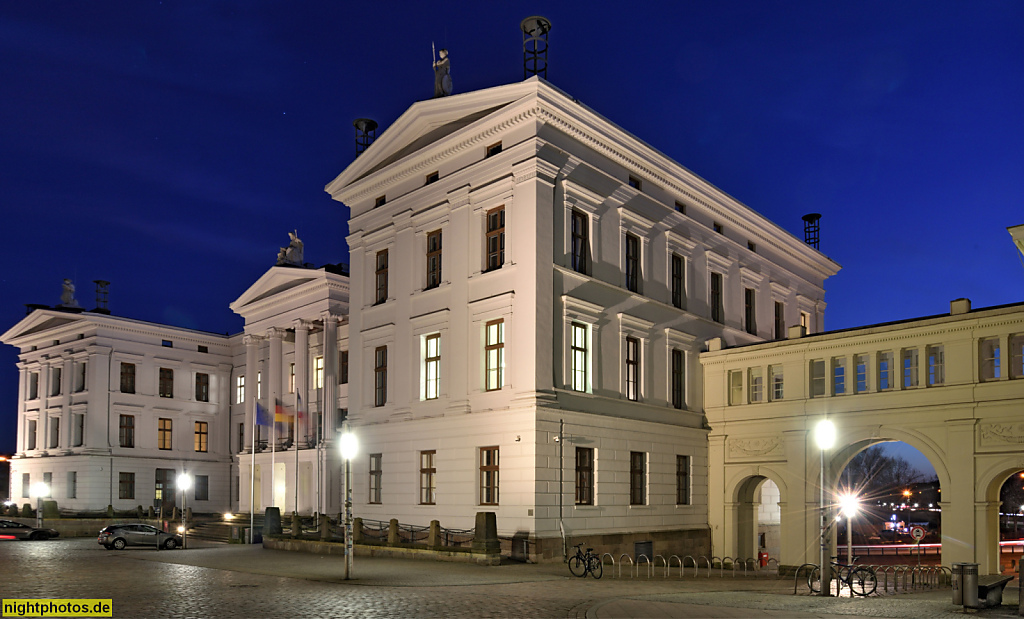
<point x="301" y="376"/>
<point x="252" y="345"/>
<point x="275" y="367"/>
<point x="330" y="403"/>
<point x="19" y="446"/>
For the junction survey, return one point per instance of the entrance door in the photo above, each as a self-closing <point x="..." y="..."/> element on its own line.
<point x="164" y="490"/>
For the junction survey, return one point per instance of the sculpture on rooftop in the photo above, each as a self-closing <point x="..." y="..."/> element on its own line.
<point x="291" y="255"/>
<point x="67" y="297"/>
<point x="442" y="74"/>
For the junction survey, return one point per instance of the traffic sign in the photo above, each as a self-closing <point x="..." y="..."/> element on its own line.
<point x="917" y="533"/>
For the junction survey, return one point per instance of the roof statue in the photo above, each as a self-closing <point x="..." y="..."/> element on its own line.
<point x="442" y="74"/>
<point x="291" y="255"/>
<point x="67" y="297"/>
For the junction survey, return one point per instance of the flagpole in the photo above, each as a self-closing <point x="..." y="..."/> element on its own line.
<point x="252" y="482"/>
<point x="273" y="465"/>
<point x="295" y="444"/>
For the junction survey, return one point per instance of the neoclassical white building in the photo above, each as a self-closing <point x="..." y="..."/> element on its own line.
<point x="532" y="286"/>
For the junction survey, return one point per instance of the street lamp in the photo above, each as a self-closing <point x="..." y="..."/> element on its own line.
<point x="184" y="482"/>
<point x="349" y="448"/>
<point x="850" y="504"/>
<point x="39" y="490"/>
<point x="825" y="437"/>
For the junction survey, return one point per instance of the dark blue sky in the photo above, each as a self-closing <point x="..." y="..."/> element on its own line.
<point x="169" y="147"/>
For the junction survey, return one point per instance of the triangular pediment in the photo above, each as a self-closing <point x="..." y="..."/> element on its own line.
<point x="39" y="321"/>
<point x="427" y="122"/>
<point x="277" y="280"/>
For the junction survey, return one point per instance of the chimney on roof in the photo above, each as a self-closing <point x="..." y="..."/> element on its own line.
<point x="811" y="228"/>
<point x="535" y="46"/>
<point x="102" y="296"/>
<point x="959" y="306"/>
<point x="366" y="133"/>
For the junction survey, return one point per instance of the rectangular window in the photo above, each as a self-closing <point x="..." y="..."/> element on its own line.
<point x="202" y="488"/>
<point x="428" y="471"/>
<point x="775" y="375"/>
<point x="434" y="259"/>
<point x="632" y="263"/>
<point x="910" y="379"/>
<point x="202" y="387"/>
<point x="682" y="480"/>
<point x="584" y="476"/>
<point x="678" y="379"/>
<point x="780" y="320"/>
<point x="861" y="362"/>
<point x="72" y="488"/>
<point x="818" y="378"/>
<point x="749" y="311"/>
<point x="126" y="485"/>
<point x="241" y="437"/>
<point x="805" y="321"/>
<point x="318" y="373"/>
<point x="989" y="359"/>
<point x="48" y="481"/>
<point x="166" y="383"/>
<point x="717" y="307"/>
<point x="376" y="476"/>
<point x="203" y="349"/>
<point x="33" y="385"/>
<point x="637" y="478"/>
<point x="488" y="475"/>
<point x="839" y="376"/>
<point x="936" y="366"/>
<point x="494" y="354"/>
<point x="381" y="275"/>
<point x="54" y="432"/>
<point x="495" y="240"/>
<point x="26" y="485"/>
<point x="432" y="366"/>
<point x="752" y="246"/>
<point x="680" y="207"/>
<point x="580" y="242"/>
<point x="163" y="438"/>
<point x="735" y="387"/>
<point x="127" y="378"/>
<point x="167" y="344"/>
<point x="343" y="371"/>
<point x="80" y="377"/>
<point x="578" y="354"/>
<point x="433" y="177"/>
<point x="885" y="370"/>
<point x="126" y="431"/>
<point x="717" y="227"/>
<point x="632" y="369"/>
<point x="55" y="381"/>
<point x="30" y="435"/>
<point x="291" y="378"/>
<point x="635" y="183"/>
<point x="77" y="430"/>
<point x="678" y="281"/>
<point x="1017" y="356"/>
<point x="202" y="441"/>
<point x="755" y="385"/>
<point x="240" y="389"/>
<point x="492" y="150"/>
<point x="259" y="385"/>
<point x="380" y="376"/>
<point x="380" y="201"/>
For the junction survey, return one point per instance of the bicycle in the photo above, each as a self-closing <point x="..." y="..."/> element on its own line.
<point x="582" y="563"/>
<point x="861" y="580"/>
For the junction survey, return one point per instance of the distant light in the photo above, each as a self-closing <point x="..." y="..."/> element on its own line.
<point x="906" y="493"/>
<point x="229" y="516"/>
<point x="181" y="529"/>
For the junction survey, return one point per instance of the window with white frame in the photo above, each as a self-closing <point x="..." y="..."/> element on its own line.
<point x="318" y="373"/>
<point x="988" y="357"/>
<point x="431" y="366"/>
<point x="885" y="371"/>
<point x="433" y="259"/>
<point x="716" y="299"/>
<point x="580" y="358"/>
<point x="494" y="354"/>
<point x="240" y="389"/>
<point x="380" y="376"/>
<point x="780" y="320"/>
<point x="30" y="434"/>
<point x="637" y="478"/>
<point x="428" y="472"/>
<point x="677" y="379"/>
<point x="584" y="476"/>
<point x="494" y="245"/>
<point x="909" y="363"/>
<point x="488" y="476"/>
<point x="777" y="380"/>
<point x="936" y="366"/>
<point x="580" y="242"/>
<point x="381" y="277"/>
<point x="632" y="362"/>
<point x="750" y="310"/>
<point x="817" y="382"/>
<point x="678" y="274"/>
<point x="80" y="376"/>
<point x="376" y="477"/>
<point x="755" y="385"/>
<point x="735" y="387"/>
<point x="632" y="247"/>
<point x="682" y="480"/>
<point x="839" y="376"/>
<point x="1017" y="356"/>
<point x="861" y="364"/>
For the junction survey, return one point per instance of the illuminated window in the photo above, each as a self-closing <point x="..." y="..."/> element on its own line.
<point x="494" y="355"/>
<point x="428" y="483"/>
<point x="164" y="434"/>
<point x="579" y="356"/>
<point x="488" y="475"/>
<point x="376" y="477"/>
<point x="318" y="373"/>
<point x="432" y="366"/>
<point x="495" y="238"/>
<point x="240" y="389"/>
<point x="202" y="439"/>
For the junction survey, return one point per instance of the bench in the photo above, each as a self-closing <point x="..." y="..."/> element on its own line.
<point x="990" y="589"/>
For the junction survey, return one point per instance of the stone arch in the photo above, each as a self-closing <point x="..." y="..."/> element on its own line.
<point x="853" y="440"/>
<point x="989" y="480"/>
<point x="741" y="521"/>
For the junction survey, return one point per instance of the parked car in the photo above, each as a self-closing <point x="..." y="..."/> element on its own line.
<point x="118" y="536"/>
<point x="10" y="529"/>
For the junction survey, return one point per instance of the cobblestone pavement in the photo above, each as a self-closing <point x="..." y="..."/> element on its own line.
<point x="210" y="580"/>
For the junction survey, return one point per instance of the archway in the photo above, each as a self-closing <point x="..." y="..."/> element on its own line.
<point x="756" y="506"/>
<point x="1003" y="504"/>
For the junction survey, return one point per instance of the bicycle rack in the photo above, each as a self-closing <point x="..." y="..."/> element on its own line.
<point x="650" y="567"/>
<point x="708" y="561"/>
<point x="682" y="566"/>
<point x="668" y="570"/>
<point x="796" y="576"/>
<point x="655" y="566"/>
<point x="884" y="571"/>
<point x="767" y="567"/>
<point x="721" y="565"/>
<point x="757" y="567"/>
<point x="610" y="557"/>
<point x="630" y="565"/>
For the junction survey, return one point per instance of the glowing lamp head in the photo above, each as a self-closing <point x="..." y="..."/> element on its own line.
<point x="349" y="446"/>
<point x="181" y="529"/>
<point x="184" y="481"/>
<point x="825" y="434"/>
<point x="906" y="493"/>
<point x="850" y="505"/>
<point x="39" y="490"/>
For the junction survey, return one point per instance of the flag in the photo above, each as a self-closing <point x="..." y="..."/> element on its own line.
<point x="282" y="413"/>
<point x="262" y="416"/>
<point x="298" y="405"/>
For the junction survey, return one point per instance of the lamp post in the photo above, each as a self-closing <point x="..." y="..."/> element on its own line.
<point x="39" y="490"/>
<point x="184" y="482"/>
<point x="850" y="504"/>
<point x="349" y="448"/>
<point x="825" y="437"/>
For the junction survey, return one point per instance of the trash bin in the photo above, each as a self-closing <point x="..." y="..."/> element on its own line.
<point x="970" y="580"/>
<point x="958" y="584"/>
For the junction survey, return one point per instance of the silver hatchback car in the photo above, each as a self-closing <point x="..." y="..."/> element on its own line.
<point x="119" y="536"/>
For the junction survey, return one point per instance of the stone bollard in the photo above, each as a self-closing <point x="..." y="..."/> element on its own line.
<point x="296" y="525"/>
<point x="357" y="530"/>
<point x="175" y="514"/>
<point x="188" y="517"/>
<point x="434" y="537"/>
<point x="139" y="512"/>
<point x="486" y="538"/>
<point x="393" y="537"/>
<point x="272" y="521"/>
<point x="50" y="510"/>
<point x="27" y="511"/>
<point x="110" y="511"/>
<point x="325" y="528"/>
<point x="151" y="513"/>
